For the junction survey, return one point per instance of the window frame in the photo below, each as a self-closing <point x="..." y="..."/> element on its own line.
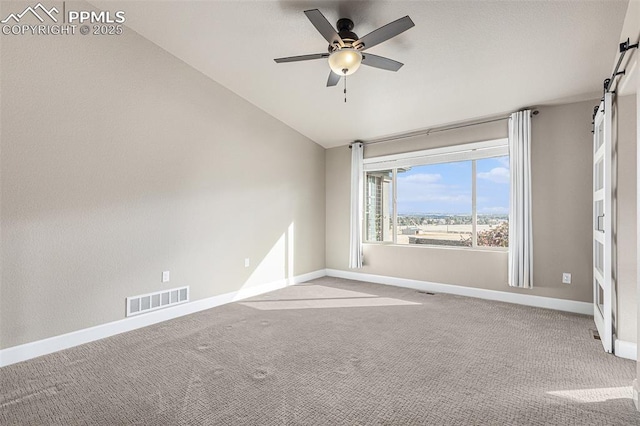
<point x="454" y="153"/>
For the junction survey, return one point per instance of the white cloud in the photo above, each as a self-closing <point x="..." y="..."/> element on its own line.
<point x="418" y="189"/>
<point x="421" y="178"/>
<point x="496" y="175"/>
<point x="504" y="161"/>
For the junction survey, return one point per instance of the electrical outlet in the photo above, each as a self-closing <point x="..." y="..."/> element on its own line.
<point x="566" y="278"/>
<point x="246" y="262"/>
<point x="165" y="276"/>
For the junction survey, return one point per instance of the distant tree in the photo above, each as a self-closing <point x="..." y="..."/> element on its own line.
<point x="495" y="237"/>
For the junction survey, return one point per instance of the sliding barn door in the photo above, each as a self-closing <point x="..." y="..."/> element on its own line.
<point x="602" y="223"/>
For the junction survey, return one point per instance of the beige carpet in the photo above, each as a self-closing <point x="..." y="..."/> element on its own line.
<point x="334" y="352"/>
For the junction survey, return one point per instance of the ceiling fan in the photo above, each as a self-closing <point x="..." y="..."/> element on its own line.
<point x="346" y="48"/>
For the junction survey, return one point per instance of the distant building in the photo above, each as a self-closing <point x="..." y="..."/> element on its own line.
<point x="410" y="230"/>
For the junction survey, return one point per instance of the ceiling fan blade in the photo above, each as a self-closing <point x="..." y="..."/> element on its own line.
<point x="323" y="26"/>
<point x="333" y="79"/>
<point x="380" y="62"/>
<point x="302" y="58"/>
<point x="385" y="33"/>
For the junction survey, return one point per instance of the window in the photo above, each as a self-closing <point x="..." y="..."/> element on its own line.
<point x="492" y="189"/>
<point x="455" y="196"/>
<point x="379" y="206"/>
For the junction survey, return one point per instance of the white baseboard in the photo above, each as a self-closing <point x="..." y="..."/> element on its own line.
<point x="53" y="344"/>
<point x="310" y="276"/>
<point x="624" y="349"/>
<point x="64" y="341"/>
<point x="635" y="394"/>
<point x="502" y="296"/>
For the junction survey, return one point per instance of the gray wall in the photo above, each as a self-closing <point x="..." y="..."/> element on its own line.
<point x="561" y="162"/>
<point x="120" y="161"/>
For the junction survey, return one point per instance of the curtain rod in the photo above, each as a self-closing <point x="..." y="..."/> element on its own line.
<point x="427" y="132"/>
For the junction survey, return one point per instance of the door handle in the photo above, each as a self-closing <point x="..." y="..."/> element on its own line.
<point x="598" y="228"/>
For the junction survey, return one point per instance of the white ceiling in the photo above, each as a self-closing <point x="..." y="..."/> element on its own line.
<point x="463" y="59"/>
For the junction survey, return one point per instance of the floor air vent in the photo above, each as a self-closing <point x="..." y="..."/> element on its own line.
<point x="595" y="334"/>
<point x="158" y="300"/>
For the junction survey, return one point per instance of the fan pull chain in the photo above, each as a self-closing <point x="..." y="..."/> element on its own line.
<point x="345" y="85"/>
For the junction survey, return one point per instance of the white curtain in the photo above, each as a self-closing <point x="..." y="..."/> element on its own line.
<point x="520" y="229"/>
<point x="357" y="201"/>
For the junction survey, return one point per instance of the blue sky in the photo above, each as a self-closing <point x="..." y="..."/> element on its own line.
<point x="446" y="188"/>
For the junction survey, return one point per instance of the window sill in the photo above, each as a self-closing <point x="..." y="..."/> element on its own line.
<point x="421" y="246"/>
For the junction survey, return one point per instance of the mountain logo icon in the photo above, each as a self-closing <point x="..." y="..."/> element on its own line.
<point x="34" y="11"/>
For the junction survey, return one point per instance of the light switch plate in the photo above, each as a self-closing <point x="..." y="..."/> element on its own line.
<point x="165" y="276"/>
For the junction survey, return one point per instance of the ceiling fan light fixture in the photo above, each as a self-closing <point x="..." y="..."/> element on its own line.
<point x="345" y="61"/>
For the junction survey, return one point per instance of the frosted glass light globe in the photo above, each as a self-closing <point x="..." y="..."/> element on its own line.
<point x="345" y="59"/>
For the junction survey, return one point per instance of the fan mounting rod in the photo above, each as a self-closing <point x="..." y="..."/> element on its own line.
<point x="348" y="37"/>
